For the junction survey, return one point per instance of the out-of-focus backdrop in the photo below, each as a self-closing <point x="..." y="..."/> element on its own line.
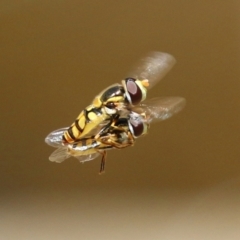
<point x="181" y="181"/>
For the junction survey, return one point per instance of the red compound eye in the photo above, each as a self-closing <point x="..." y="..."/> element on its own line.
<point x="136" y="124"/>
<point x="134" y="93"/>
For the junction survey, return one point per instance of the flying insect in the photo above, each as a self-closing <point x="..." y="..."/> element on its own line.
<point x="120" y="134"/>
<point x="111" y="102"/>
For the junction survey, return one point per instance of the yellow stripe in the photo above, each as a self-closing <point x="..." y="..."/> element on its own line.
<point x="143" y="89"/>
<point x="68" y="138"/>
<point x="81" y="114"/>
<point x="97" y="102"/>
<point x="89" y="108"/>
<point x="116" y="99"/>
<point x="81" y="122"/>
<point x="75" y="131"/>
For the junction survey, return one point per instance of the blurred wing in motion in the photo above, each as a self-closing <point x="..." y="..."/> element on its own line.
<point x="54" y="139"/>
<point x="159" y="109"/>
<point x="59" y="155"/>
<point x="153" y="67"/>
<point x="85" y="158"/>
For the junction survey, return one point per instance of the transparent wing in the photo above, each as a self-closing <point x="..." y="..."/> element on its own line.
<point x="85" y="158"/>
<point x="158" y="109"/>
<point x="54" y="139"/>
<point x="153" y="67"/>
<point x="59" y="155"/>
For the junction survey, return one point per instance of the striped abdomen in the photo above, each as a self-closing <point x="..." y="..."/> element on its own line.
<point x="86" y="125"/>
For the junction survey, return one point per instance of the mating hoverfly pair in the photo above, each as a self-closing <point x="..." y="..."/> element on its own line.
<point x="117" y="116"/>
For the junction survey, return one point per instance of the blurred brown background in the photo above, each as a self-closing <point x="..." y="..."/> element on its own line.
<point x="179" y="182"/>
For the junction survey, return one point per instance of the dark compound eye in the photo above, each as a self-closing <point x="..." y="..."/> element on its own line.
<point x="134" y="93"/>
<point x="136" y="125"/>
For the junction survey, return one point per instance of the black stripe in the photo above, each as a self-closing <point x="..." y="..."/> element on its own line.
<point x="71" y="133"/>
<point x="105" y="147"/>
<point x="64" y="139"/>
<point x="86" y="115"/>
<point x="77" y="126"/>
<point x="97" y="111"/>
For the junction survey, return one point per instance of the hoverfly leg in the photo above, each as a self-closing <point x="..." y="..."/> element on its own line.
<point x="130" y="136"/>
<point x="130" y="141"/>
<point x="103" y="161"/>
<point x="123" y="145"/>
<point x="122" y="129"/>
<point x="119" y="145"/>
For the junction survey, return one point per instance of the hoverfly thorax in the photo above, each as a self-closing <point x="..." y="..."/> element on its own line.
<point x="111" y="99"/>
<point x="135" y="90"/>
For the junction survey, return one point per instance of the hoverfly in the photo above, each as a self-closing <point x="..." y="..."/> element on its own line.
<point x="120" y="134"/>
<point x="109" y="104"/>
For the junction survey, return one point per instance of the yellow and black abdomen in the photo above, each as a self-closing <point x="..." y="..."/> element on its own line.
<point x="87" y="124"/>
